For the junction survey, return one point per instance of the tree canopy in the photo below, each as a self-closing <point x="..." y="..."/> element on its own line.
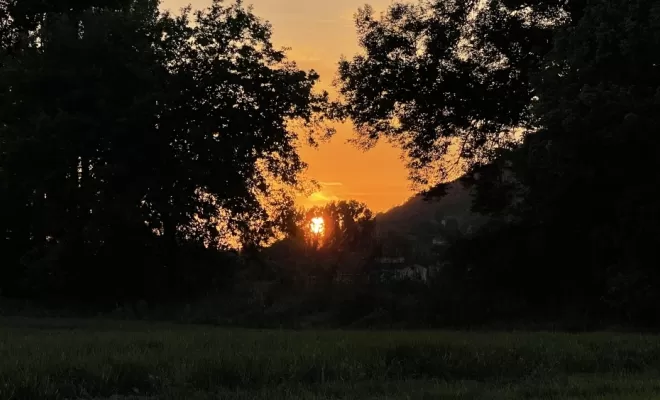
<point x="125" y="129"/>
<point x="445" y="79"/>
<point x="549" y="107"/>
<point x="346" y="225"/>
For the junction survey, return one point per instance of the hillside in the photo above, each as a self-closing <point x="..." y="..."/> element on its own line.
<point x="418" y="212"/>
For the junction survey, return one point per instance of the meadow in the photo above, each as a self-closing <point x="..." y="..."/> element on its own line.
<point x="69" y="359"/>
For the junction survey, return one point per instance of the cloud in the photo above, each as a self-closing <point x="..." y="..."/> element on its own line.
<point x="372" y="193"/>
<point x="331" y="184"/>
<point x="320" y="197"/>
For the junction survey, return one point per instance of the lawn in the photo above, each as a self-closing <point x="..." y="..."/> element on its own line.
<point x="62" y="359"/>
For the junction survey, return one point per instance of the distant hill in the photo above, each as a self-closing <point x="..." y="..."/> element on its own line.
<point x="418" y="213"/>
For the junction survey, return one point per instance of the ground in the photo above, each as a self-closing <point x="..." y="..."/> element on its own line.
<point x="101" y="359"/>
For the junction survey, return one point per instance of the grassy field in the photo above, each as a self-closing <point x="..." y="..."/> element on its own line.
<point x="63" y="359"/>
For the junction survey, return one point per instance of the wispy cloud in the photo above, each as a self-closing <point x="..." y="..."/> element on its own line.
<point x="331" y="184"/>
<point x="320" y="197"/>
<point x="364" y="194"/>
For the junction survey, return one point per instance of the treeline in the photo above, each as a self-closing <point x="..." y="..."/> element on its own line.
<point x="138" y="147"/>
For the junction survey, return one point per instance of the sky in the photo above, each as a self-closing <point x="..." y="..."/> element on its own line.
<point x="319" y="32"/>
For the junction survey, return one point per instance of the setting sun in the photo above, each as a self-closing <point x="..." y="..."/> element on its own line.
<point x="317" y="226"/>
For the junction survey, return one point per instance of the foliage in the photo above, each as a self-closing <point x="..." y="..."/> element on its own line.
<point x="347" y="225"/>
<point x="588" y="170"/>
<point x="595" y="180"/>
<point x="130" y="136"/>
<point x="446" y="80"/>
<point x="550" y="108"/>
<point x="311" y="262"/>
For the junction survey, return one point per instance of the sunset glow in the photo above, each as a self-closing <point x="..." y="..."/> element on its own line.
<point x="319" y="33"/>
<point x="317" y="226"/>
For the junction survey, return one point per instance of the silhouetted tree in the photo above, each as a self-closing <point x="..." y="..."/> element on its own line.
<point x="551" y="106"/>
<point x="347" y="225"/>
<point x="446" y="79"/>
<point x="128" y="135"/>
<point x="591" y="169"/>
<point x="342" y="244"/>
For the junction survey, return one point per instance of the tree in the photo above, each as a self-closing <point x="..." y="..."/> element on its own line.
<point x="346" y="226"/>
<point x="577" y="83"/>
<point x="449" y="81"/>
<point x="595" y="178"/>
<point x="325" y="239"/>
<point x="126" y="130"/>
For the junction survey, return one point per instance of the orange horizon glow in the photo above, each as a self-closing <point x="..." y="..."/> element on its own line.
<point x="319" y="33"/>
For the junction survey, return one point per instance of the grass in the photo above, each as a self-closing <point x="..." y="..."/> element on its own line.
<point x="61" y="359"/>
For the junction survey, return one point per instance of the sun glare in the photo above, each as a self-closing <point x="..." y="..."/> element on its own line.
<point x="317" y="226"/>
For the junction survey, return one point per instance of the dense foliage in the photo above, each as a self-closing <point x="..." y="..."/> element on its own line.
<point x="132" y="140"/>
<point x="347" y="225"/>
<point x="551" y="109"/>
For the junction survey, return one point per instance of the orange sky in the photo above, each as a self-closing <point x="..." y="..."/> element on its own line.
<point x="319" y="32"/>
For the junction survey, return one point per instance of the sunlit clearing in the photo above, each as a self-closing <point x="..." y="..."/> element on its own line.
<point x="317" y="226"/>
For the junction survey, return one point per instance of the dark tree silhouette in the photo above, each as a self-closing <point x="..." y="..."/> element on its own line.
<point x="128" y="135"/>
<point x="551" y="107"/>
<point x="446" y="79"/>
<point x="591" y="169"/>
<point x="347" y="225"/>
